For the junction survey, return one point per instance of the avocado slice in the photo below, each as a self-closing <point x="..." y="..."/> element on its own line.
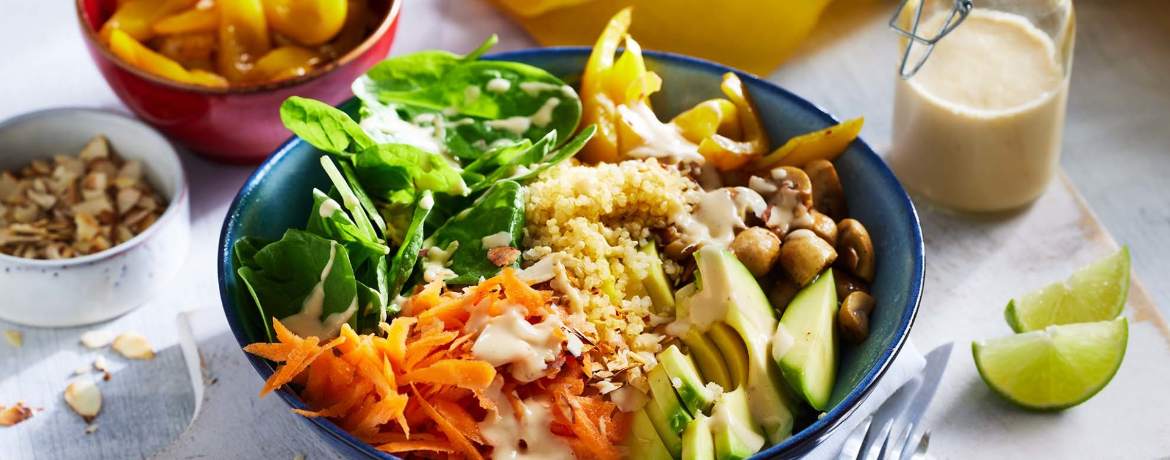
<point x="666" y="434"/>
<point x="643" y="440"/>
<point x="686" y="381"/>
<point x="712" y="366"/>
<point x="698" y="444"/>
<point x="734" y="353"/>
<point x="728" y="293"/>
<point x="736" y="436"/>
<point x="662" y="393"/>
<point x="655" y="281"/>
<point x="805" y="342"/>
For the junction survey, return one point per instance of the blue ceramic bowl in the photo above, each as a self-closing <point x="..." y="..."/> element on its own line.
<point x="277" y="197"/>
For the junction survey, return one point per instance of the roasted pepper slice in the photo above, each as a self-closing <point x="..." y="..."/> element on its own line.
<point x="826" y="144"/>
<point x="243" y="37"/>
<point x="597" y="107"/>
<point x="708" y="118"/>
<point x="284" y="62"/>
<point x="728" y="154"/>
<point x="189" y="21"/>
<point x="137" y="17"/>
<point x="138" y="55"/>
<point x="309" y="22"/>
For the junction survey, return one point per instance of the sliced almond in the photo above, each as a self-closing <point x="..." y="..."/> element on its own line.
<point x="91" y="429"/>
<point x="99" y="363"/>
<point x="12" y="415"/>
<point x="127" y="198"/>
<point x="84" y="397"/>
<point x="133" y="346"/>
<point x="15" y="338"/>
<point x="503" y="256"/>
<point x="96" y="148"/>
<point x="97" y="338"/>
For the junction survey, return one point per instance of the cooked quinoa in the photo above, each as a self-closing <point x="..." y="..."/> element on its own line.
<point x="598" y="217"/>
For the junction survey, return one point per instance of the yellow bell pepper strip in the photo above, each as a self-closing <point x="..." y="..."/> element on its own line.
<point x="628" y="68"/>
<point x="285" y="62"/>
<point x="826" y="144"/>
<point x="597" y="107"/>
<point x="358" y="21"/>
<point x="243" y="37"/>
<point x="728" y="154"/>
<point x="137" y="17"/>
<point x="309" y="22"/>
<point x="192" y="20"/>
<point x="138" y="55"/>
<point x="708" y="118"/>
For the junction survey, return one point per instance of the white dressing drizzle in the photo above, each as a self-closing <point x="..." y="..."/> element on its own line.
<point x="328" y="207"/>
<point x="723" y="420"/>
<point x="307" y="322"/>
<point x="534" y="88"/>
<point x="509" y="339"/>
<point x="496" y="240"/>
<point x="498" y="85"/>
<point x="436" y="262"/>
<point x="524" y="436"/>
<point x="660" y="140"/>
<point x="543" y="116"/>
<point x="470" y="94"/>
<point x="714" y="220"/>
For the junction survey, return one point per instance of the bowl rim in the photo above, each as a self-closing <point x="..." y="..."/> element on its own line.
<point x="800" y="441"/>
<point x="173" y="205"/>
<point x="91" y="38"/>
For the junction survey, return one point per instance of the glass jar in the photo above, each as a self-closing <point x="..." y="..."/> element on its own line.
<point x="977" y="130"/>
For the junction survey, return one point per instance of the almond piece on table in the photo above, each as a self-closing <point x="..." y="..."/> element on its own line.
<point x="91" y="428"/>
<point x="97" y="338"/>
<point x="133" y="346"/>
<point x="99" y="363"/>
<point x="12" y="415"/>
<point x="84" y="397"/>
<point x="15" y="338"/>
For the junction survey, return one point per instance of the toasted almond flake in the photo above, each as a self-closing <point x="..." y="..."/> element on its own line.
<point x="91" y="428"/>
<point x="99" y="363"/>
<point x="15" y="338"/>
<point x="82" y="369"/>
<point x="84" y="397"/>
<point x="97" y="338"/>
<point x="503" y="256"/>
<point x="12" y="415"/>
<point x="133" y="346"/>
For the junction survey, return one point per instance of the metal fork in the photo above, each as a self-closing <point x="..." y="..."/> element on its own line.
<point x="881" y="446"/>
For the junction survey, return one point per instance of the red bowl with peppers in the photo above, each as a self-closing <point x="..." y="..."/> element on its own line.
<point x="236" y="123"/>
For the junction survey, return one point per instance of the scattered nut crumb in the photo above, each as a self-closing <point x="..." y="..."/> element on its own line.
<point x="91" y="428"/>
<point x="84" y="368"/>
<point x="503" y="256"/>
<point x="133" y="346"/>
<point x="106" y="376"/>
<point x="99" y="363"/>
<point x="97" y="338"/>
<point x="72" y="206"/>
<point x="15" y="338"/>
<point x="84" y="398"/>
<point x="12" y="415"/>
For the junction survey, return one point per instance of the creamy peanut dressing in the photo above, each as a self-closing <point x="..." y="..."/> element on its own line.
<point x="328" y="207"/>
<point x="534" y="88"/>
<point x="437" y="260"/>
<point x="715" y="219"/>
<point x="498" y="85"/>
<point x="386" y="127"/>
<point x="496" y="240"/>
<point x="524" y="436"/>
<point x="544" y="115"/>
<point x="785" y="208"/>
<point x="307" y="322"/>
<point x="562" y="285"/>
<point x="659" y="140"/>
<point x="723" y="420"/>
<point x="978" y="128"/>
<point x="509" y="339"/>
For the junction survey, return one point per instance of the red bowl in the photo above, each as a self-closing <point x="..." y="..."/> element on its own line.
<point x="237" y="124"/>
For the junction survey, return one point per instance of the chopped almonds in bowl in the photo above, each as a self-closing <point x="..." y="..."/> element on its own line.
<point x="91" y="200"/>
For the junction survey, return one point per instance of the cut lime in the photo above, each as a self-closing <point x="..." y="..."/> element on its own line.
<point x="1093" y="293"/>
<point x="1055" y="368"/>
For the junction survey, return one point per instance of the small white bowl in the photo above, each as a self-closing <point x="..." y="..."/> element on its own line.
<point x="100" y="286"/>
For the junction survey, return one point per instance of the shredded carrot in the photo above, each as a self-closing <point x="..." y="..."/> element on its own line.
<point x="475" y="375"/>
<point x="408" y="446"/>
<point x="453" y="434"/>
<point x="271" y="351"/>
<point x="461" y="419"/>
<point x="396" y="339"/>
<point x="425" y="345"/>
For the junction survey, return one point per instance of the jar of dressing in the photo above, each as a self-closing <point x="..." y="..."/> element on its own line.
<point x="977" y="127"/>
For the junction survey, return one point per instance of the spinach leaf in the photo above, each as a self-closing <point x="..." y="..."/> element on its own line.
<point x="323" y="126"/>
<point x="286" y="276"/>
<point x="363" y="197"/>
<point x="349" y="199"/>
<point x="370" y="309"/>
<point x="388" y="170"/>
<point x="407" y="255"/>
<point x="244" y="255"/>
<point x="330" y="221"/>
<point x="534" y="154"/>
<point x="564" y="153"/>
<point x="500" y="209"/>
<point x="414" y="71"/>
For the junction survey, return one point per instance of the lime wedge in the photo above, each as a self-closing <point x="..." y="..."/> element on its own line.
<point x="1093" y="293"/>
<point x="1055" y="368"/>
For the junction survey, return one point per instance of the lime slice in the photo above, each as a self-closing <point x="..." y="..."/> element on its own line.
<point x="1055" y="368"/>
<point x="1093" y="293"/>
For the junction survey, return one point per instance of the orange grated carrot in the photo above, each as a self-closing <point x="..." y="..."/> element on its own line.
<point x="396" y="334"/>
<point x="474" y="375"/>
<point x="425" y="345"/>
<point x="271" y="351"/>
<point x="453" y="434"/>
<point x="291" y="367"/>
<point x="461" y="419"/>
<point x="410" y="446"/>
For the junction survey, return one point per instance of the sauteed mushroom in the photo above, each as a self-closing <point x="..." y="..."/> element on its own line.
<point x="795" y="179"/>
<point x="856" y="249"/>
<point x="848" y="284"/>
<point x="804" y="256"/>
<point x="854" y="316"/>
<point x="782" y="293"/>
<point x="757" y="248"/>
<point x="822" y="225"/>
<point x="827" y="194"/>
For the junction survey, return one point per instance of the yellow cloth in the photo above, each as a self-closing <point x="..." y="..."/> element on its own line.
<point x="752" y="35"/>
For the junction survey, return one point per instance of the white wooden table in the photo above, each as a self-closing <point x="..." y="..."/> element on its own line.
<point x="1116" y="153"/>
